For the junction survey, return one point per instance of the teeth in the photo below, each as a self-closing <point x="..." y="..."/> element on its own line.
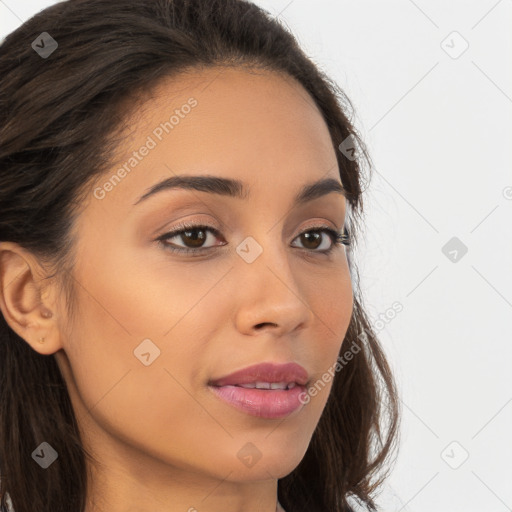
<point x="268" y="385"/>
<point x="250" y="386"/>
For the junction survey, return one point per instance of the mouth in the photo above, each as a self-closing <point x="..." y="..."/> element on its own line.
<point x="265" y="375"/>
<point x="266" y="385"/>
<point x="270" y="400"/>
<point x="267" y="390"/>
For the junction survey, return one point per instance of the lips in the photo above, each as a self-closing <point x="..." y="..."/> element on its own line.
<point x="265" y="390"/>
<point x="264" y="403"/>
<point x="261" y="375"/>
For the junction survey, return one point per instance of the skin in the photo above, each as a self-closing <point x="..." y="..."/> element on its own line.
<point x="162" y="439"/>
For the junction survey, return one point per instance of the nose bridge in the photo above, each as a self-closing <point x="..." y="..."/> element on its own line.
<point x="264" y="254"/>
<point x="269" y="286"/>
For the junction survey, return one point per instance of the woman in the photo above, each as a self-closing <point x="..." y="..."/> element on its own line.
<point x="181" y="327"/>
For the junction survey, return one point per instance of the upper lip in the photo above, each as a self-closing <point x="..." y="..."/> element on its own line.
<point x="265" y="372"/>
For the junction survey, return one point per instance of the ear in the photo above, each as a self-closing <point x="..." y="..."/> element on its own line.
<point x="25" y="299"/>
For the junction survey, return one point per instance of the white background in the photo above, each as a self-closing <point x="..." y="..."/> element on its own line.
<point x="439" y="129"/>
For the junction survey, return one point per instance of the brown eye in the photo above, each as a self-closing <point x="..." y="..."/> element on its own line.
<point x="193" y="237"/>
<point x="313" y="238"/>
<point x="190" y="238"/>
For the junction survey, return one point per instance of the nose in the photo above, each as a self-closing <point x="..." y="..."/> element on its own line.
<point x="270" y="295"/>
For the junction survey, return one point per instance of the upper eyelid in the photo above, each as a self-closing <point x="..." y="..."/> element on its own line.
<point x="222" y="226"/>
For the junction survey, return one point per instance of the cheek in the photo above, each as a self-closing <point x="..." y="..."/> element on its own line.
<point x="129" y="314"/>
<point x="331" y="301"/>
<point x="144" y="397"/>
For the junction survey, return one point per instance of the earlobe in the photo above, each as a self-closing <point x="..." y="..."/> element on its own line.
<point x="21" y="299"/>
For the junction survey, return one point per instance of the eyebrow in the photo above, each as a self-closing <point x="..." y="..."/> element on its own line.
<point x="235" y="188"/>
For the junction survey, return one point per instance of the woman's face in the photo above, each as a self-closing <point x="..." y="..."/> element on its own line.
<point x="153" y="327"/>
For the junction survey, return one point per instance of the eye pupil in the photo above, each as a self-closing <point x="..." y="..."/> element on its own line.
<point x="197" y="240"/>
<point x="312" y="235"/>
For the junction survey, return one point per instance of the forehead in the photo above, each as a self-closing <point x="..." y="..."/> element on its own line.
<point x="258" y="126"/>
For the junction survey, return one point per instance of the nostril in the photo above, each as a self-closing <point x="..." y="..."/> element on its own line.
<point x="259" y="326"/>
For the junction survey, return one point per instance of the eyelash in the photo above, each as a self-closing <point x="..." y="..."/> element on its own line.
<point x="337" y="239"/>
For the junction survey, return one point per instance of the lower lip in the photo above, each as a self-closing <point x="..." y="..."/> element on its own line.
<point x="264" y="403"/>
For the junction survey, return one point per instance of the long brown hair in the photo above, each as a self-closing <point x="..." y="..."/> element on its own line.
<point x="60" y="114"/>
